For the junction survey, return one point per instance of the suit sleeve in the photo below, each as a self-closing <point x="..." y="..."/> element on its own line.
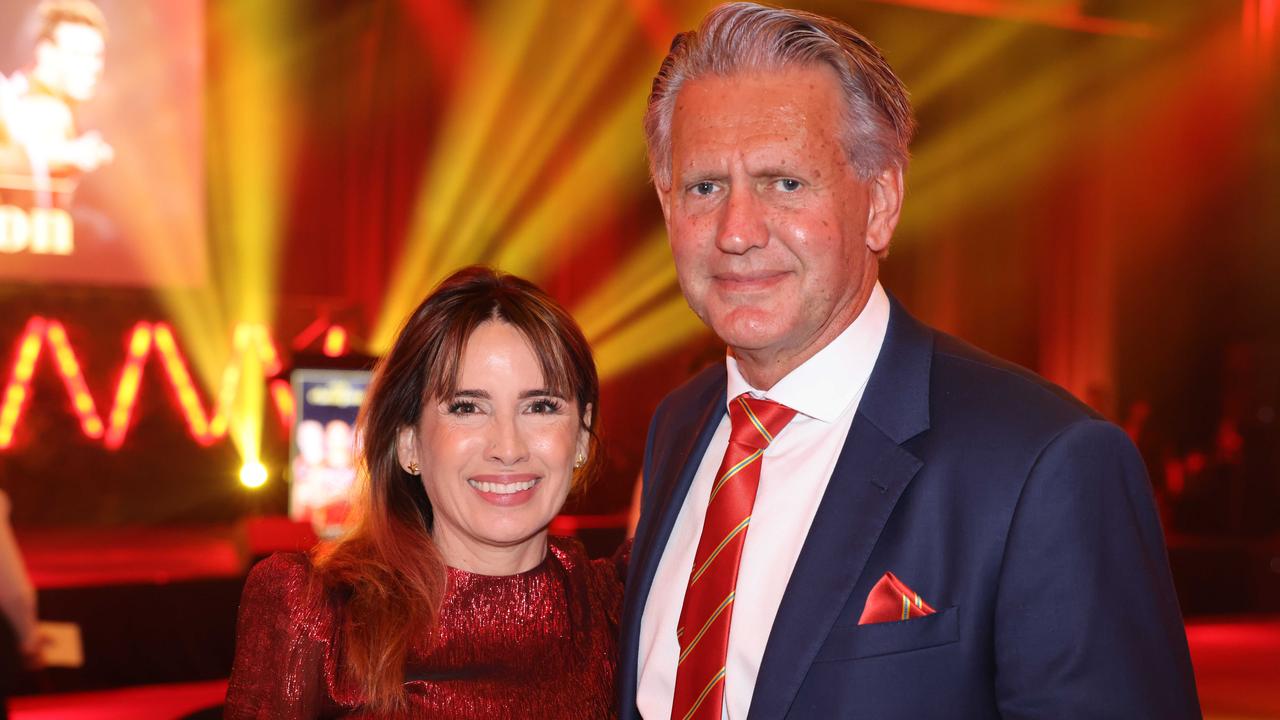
<point x="1087" y="621"/>
<point x="284" y="637"/>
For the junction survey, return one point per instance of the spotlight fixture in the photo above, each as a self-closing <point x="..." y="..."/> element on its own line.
<point x="253" y="474"/>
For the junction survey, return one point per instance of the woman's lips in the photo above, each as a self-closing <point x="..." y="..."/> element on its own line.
<point x="505" y="490"/>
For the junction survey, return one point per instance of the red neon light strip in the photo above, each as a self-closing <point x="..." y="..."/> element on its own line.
<point x="127" y="389"/>
<point x="176" y="368"/>
<point x="249" y="338"/>
<point x="73" y="379"/>
<point x="19" y="387"/>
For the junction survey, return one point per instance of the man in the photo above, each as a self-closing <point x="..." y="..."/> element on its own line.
<point x="41" y="149"/>
<point x="858" y="516"/>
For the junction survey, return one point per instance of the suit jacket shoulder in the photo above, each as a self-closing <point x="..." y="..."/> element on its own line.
<point x="695" y="393"/>
<point x="976" y="395"/>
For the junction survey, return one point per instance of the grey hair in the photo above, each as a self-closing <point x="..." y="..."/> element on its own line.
<point x="741" y="36"/>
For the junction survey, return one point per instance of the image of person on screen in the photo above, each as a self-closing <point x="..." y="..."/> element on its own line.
<point x="42" y="151"/>
<point x="323" y="474"/>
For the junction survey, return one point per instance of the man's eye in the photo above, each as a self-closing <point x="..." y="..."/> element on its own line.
<point x="787" y="184"/>
<point x="545" y="406"/>
<point x="462" y="407"/>
<point x="703" y="188"/>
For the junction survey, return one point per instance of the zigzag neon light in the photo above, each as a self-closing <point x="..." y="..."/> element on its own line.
<point x="248" y="339"/>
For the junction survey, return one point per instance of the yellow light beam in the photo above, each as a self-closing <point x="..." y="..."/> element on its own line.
<point x="502" y="38"/>
<point x="552" y="98"/>
<point x="582" y="61"/>
<point x="969" y="163"/>
<point x="960" y="61"/>
<point x="644" y="275"/>
<point x="667" y="326"/>
<point x="612" y="160"/>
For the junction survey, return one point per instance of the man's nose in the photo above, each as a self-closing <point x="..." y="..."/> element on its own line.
<point x="507" y="443"/>
<point x="742" y="223"/>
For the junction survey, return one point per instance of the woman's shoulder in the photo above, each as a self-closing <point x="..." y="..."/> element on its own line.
<point x="604" y="575"/>
<point x="281" y="569"/>
<point x="283" y="579"/>
<point x="281" y="565"/>
<point x="284" y="596"/>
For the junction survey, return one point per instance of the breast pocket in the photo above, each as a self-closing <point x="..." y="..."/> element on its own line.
<point x="863" y="641"/>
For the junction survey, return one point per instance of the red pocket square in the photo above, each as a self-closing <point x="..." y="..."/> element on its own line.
<point x="891" y="600"/>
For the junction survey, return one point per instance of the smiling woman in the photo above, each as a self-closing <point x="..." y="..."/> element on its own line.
<point x="501" y="453"/>
<point x="447" y="598"/>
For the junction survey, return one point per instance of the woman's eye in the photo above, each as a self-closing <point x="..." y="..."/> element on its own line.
<point x="788" y="184"/>
<point x="546" y="406"/>
<point x="462" y="407"/>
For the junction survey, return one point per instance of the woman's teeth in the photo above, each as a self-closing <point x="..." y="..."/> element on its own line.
<point x="503" y="488"/>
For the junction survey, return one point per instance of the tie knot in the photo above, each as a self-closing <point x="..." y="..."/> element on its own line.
<point x="755" y="422"/>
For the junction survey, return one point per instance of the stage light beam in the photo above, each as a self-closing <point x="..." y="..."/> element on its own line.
<point x="664" y="328"/>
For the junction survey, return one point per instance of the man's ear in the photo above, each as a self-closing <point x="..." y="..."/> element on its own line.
<point x="664" y="199"/>
<point x="885" y="194"/>
<point x="407" y="447"/>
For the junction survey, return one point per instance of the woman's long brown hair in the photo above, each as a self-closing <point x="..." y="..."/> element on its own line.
<point x="387" y="565"/>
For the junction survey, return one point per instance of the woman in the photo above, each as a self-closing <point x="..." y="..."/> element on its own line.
<point x="446" y="598"/>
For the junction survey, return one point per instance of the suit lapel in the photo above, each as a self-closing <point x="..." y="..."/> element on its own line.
<point x="870" y="476"/>
<point x="681" y="463"/>
<point x="682" y="433"/>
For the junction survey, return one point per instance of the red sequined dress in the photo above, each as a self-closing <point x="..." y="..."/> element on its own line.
<point x="538" y="645"/>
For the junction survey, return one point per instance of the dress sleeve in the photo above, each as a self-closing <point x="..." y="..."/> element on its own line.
<point x="284" y="643"/>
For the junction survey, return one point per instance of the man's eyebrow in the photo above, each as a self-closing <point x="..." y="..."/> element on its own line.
<point x="776" y="171"/>
<point x="695" y="176"/>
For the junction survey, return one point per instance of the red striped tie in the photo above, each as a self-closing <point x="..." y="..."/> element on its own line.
<point x="708" y="602"/>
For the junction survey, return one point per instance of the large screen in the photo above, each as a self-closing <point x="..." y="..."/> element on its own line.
<point x="101" y="141"/>
<point x="322" y="466"/>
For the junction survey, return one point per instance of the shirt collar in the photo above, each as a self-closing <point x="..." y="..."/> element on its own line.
<point x="825" y="385"/>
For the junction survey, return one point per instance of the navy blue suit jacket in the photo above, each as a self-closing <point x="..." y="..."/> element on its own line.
<point x="1021" y="517"/>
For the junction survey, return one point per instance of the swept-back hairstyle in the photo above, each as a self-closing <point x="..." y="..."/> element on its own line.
<point x="387" y="564"/>
<point x="743" y="36"/>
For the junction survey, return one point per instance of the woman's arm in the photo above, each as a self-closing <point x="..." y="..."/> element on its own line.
<point x="284" y="640"/>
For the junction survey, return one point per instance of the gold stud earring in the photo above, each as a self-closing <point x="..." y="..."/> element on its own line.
<point x="413" y="468"/>
<point x="577" y="463"/>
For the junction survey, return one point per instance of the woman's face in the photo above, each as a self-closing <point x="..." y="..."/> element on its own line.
<point x="497" y="457"/>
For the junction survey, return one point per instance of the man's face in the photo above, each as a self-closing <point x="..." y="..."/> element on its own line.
<point x="774" y="235"/>
<point x="72" y="60"/>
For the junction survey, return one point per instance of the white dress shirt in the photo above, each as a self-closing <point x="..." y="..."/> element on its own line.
<point x="825" y="392"/>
